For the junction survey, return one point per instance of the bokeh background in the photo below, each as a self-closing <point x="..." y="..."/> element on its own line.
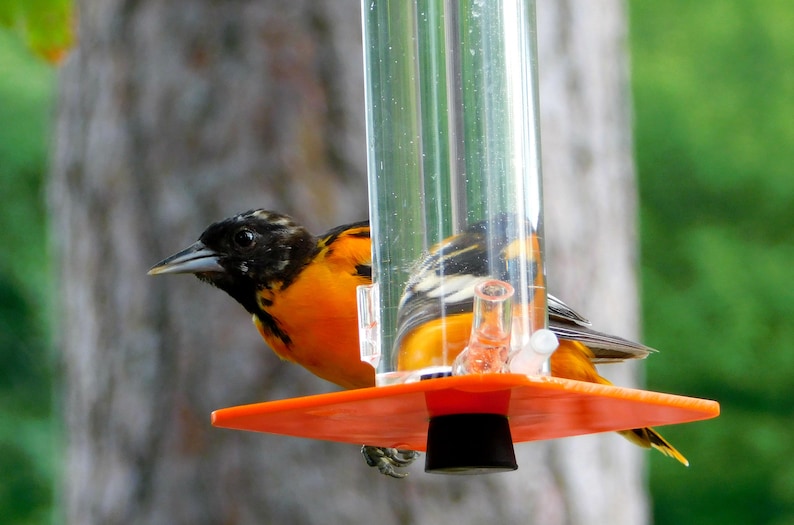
<point x="713" y="87"/>
<point x="713" y="90"/>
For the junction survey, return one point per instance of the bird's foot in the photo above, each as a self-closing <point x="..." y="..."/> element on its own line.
<point x="388" y="459"/>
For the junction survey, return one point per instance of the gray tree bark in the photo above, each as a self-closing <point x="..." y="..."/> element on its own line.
<point x="173" y="115"/>
<point x="591" y="215"/>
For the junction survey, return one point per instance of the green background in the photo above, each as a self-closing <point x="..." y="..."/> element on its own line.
<point x="713" y="87"/>
<point x="28" y="430"/>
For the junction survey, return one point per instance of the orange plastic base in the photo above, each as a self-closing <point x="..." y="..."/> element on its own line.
<point x="398" y="415"/>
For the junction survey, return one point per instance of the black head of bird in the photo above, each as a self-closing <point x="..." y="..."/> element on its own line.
<point x="251" y="251"/>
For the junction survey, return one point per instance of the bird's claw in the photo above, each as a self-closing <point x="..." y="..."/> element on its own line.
<point x="388" y="459"/>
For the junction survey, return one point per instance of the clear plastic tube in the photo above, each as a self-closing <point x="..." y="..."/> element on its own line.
<point x="453" y="149"/>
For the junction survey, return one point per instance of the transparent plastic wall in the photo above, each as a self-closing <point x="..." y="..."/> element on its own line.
<point x="454" y="182"/>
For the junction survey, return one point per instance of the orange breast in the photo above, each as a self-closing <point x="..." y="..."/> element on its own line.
<point x="434" y="343"/>
<point x="318" y="313"/>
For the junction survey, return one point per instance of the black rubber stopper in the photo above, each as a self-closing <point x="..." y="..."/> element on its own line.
<point x="469" y="444"/>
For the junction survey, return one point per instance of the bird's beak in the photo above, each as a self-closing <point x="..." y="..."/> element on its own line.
<point x="196" y="258"/>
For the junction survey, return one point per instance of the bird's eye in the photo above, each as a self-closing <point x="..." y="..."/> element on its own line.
<point x="244" y="238"/>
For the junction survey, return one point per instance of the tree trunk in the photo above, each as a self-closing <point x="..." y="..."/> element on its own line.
<point x="173" y="115"/>
<point x="591" y="214"/>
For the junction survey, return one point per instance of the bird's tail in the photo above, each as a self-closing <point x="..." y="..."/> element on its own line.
<point x="648" y="437"/>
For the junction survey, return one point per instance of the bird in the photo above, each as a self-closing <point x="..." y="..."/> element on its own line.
<point x="300" y="290"/>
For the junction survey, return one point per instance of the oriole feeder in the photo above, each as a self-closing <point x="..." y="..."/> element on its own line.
<point x="459" y="283"/>
<point x="398" y="416"/>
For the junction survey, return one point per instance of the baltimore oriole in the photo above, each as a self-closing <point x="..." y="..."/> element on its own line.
<point x="301" y="292"/>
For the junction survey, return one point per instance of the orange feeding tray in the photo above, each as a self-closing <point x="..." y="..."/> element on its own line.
<point x="398" y="415"/>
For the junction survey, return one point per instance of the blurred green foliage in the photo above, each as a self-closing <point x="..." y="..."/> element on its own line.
<point x="713" y="86"/>
<point x="45" y="25"/>
<point x="27" y="427"/>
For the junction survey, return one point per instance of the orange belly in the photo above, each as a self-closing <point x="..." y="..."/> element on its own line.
<point x="436" y="344"/>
